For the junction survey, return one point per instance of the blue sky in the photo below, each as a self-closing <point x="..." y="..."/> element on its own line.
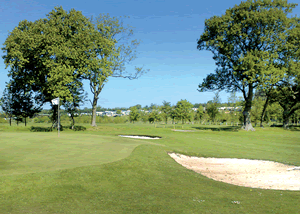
<point x="168" y="30"/>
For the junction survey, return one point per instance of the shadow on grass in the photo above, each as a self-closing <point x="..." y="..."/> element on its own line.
<point x="290" y="127"/>
<point x="50" y="129"/>
<point x="227" y="128"/>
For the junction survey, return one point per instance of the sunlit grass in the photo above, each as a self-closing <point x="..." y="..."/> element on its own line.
<point x="96" y="171"/>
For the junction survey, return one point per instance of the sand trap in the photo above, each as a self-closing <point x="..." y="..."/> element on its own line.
<point x="140" y="137"/>
<point x="244" y="172"/>
<point x="179" y="130"/>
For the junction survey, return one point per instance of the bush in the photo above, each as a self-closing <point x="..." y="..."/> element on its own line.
<point x="40" y="129"/>
<point x="2" y="120"/>
<point x="78" y="128"/>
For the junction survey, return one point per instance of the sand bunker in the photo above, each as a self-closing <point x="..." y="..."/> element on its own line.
<point x="140" y="137"/>
<point x="244" y="172"/>
<point x="179" y="130"/>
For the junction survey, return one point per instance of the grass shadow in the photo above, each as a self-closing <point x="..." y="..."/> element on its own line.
<point x="227" y="128"/>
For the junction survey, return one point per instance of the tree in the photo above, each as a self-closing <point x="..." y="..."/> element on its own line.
<point x="134" y="114"/>
<point x="166" y="110"/>
<point x="51" y="55"/>
<point x="212" y="107"/>
<point x="248" y="44"/>
<point x="6" y="103"/>
<point x="199" y="114"/>
<point x="72" y="107"/>
<point x="112" y="61"/>
<point x="288" y="97"/>
<point x="183" y="110"/>
<point x="257" y="108"/>
<point x="154" y="116"/>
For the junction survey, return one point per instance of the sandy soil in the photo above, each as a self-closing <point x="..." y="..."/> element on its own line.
<point x="244" y="172"/>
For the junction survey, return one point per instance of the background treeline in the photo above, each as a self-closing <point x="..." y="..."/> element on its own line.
<point x="183" y="112"/>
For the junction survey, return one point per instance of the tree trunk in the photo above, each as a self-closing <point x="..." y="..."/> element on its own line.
<point x="73" y="121"/>
<point x="94" y="105"/>
<point x="25" y="121"/>
<point x="247" y="119"/>
<point x="263" y="112"/>
<point x="10" y="121"/>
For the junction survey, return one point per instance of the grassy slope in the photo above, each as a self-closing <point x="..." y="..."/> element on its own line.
<point x="148" y="181"/>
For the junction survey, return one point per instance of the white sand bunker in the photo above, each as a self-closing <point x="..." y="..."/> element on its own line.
<point x="244" y="172"/>
<point x="140" y="137"/>
<point x="179" y="130"/>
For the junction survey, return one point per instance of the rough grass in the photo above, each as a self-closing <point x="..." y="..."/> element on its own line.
<point x="88" y="172"/>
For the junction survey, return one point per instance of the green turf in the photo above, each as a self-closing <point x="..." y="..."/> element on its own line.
<point x="98" y="172"/>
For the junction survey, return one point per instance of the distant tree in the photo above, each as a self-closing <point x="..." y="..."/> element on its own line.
<point x="182" y="110"/>
<point x="24" y="104"/>
<point x="119" y="111"/>
<point x="154" y="116"/>
<point x="289" y="99"/>
<point x="199" y="114"/>
<point x="212" y="107"/>
<point x="153" y="106"/>
<point x="257" y="108"/>
<point x="248" y="43"/>
<point x="6" y="103"/>
<point x="134" y="114"/>
<point x="138" y="107"/>
<point x="166" y="110"/>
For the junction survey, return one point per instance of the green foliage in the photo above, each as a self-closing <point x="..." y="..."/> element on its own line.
<point x="2" y="120"/>
<point x="248" y="43"/>
<point x="113" y="58"/>
<point x="166" y="110"/>
<point x="40" y="129"/>
<point x="134" y="114"/>
<point x="52" y="53"/>
<point x="41" y="119"/>
<point x="183" y="110"/>
<point x="6" y="102"/>
<point x="154" y="116"/>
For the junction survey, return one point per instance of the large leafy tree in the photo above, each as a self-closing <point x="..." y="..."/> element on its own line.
<point x="248" y="44"/>
<point x="112" y="63"/>
<point x="183" y="110"/>
<point x="51" y="55"/>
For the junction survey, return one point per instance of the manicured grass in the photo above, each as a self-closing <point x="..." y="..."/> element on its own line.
<point x="98" y="172"/>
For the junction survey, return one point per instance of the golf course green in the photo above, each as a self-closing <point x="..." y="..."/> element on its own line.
<point x="97" y="171"/>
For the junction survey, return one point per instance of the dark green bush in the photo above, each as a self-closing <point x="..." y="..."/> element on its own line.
<point x="2" y="120"/>
<point x="78" y="128"/>
<point x="40" y="129"/>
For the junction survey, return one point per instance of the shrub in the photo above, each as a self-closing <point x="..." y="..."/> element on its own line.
<point x="78" y="128"/>
<point x="2" y="120"/>
<point x="40" y="129"/>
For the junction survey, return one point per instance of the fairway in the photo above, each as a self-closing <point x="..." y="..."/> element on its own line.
<point x="97" y="171"/>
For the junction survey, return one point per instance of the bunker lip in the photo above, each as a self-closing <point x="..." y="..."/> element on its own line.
<point x="141" y="137"/>
<point x="244" y="172"/>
